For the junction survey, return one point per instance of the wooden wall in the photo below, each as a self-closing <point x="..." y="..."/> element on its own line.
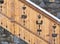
<point x="26" y="28"/>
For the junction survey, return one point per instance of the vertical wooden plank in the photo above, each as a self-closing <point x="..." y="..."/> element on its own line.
<point x="17" y="30"/>
<point x="27" y="36"/>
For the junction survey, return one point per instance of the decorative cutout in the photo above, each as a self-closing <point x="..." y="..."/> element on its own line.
<point x="24" y="8"/>
<point x="6" y="26"/>
<point x="34" y="43"/>
<point x="1" y="23"/>
<point x="24" y="22"/>
<point x="23" y="16"/>
<point x="29" y="40"/>
<point x="39" y="16"/>
<point x="24" y="12"/>
<point x="19" y="34"/>
<point x="54" y="26"/>
<point x="39" y="23"/>
<point x="1" y="6"/>
<point x="24" y="37"/>
<point x="39" y="30"/>
<point x="54" y="35"/>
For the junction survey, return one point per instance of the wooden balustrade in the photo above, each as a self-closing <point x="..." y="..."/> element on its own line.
<point x="28" y="23"/>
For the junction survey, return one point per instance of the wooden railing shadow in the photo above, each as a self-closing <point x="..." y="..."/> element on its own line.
<point x="7" y="37"/>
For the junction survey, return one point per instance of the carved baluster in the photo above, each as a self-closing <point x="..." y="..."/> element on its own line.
<point x="39" y="23"/>
<point x="54" y="35"/>
<point x="24" y="16"/>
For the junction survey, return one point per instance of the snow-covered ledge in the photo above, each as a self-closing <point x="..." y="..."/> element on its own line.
<point x="43" y="10"/>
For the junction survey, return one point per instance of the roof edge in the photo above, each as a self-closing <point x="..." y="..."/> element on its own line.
<point x="38" y="7"/>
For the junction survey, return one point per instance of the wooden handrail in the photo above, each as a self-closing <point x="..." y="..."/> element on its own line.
<point x="25" y="28"/>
